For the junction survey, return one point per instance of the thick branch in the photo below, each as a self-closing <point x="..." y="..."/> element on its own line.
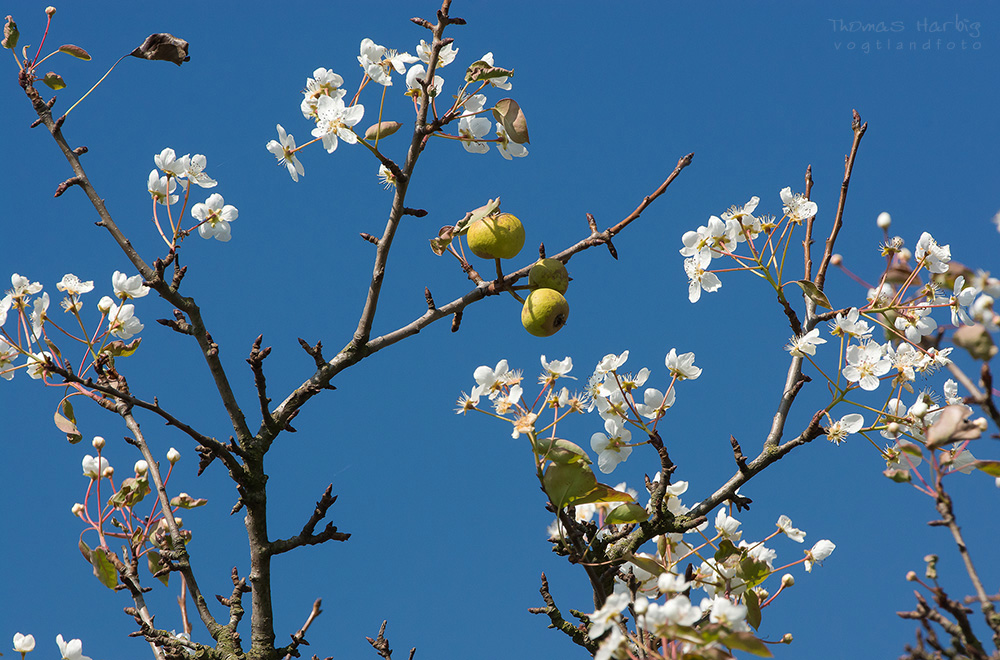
<point x="153" y="278"/>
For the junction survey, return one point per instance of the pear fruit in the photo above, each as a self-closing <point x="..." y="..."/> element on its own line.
<point x="544" y="313"/>
<point x="549" y="274"/>
<point x="496" y="237"/>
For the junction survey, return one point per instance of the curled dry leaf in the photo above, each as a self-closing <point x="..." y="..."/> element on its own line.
<point x="163" y="46"/>
<point x="10" y="34"/>
<point x="508" y="113"/>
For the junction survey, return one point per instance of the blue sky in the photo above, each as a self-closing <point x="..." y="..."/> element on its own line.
<point x="448" y="523"/>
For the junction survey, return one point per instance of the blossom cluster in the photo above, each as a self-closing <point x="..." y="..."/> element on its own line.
<point x="213" y="215"/>
<point x="658" y="592"/>
<point x="900" y="307"/>
<point x="609" y="390"/>
<point x="655" y="586"/>
<point x="33" y="321"/>
<point x="325" y="103"/>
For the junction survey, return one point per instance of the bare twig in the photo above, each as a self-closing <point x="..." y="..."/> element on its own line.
<point x="577" y="633"/>
<point x="859" y="131"/>
<point x="307" y="535"/>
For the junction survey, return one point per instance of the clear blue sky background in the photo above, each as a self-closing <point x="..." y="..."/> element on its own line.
<point x="448" y="523"/>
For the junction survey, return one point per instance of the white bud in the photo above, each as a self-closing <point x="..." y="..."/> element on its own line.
<point x="919" y="409"/>
<point x="98" y="442"/>
<point x="141" y="467"/>
<point x="893" y="428"/>
<point x="78" y="510"/>
<point x="836" y="259"/>
<point x="108" y="472"/>
<point x="787" y="580"/>
<point x="50" y="10"/>
<point x="786" y="638"/>
<point x="905" y="254"/>
<point x="173" y="455"/>
<point x="884" y="220"/>
<point x="105" y="303"/>
<point x="981" y="424"/>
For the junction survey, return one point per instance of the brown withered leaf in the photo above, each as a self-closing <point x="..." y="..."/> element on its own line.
<point x="163" y="46"/>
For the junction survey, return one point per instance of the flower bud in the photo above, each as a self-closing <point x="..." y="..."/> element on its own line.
<point x="141" y="467"/>
<point x="893" y="428"/>
<point x="108" y="472"/>
<point x="173" y="455"/>
<point x="78" y="510"/>
<point x="786" y="638"/>
<point x="98" y="442"/>
<point x="981" y="424"/>
<point x="884" y="220"/>
<point x="836" y="260"/>
<point x="50" y="11"/>
<point x="787" y="580"/>
<point x="641" y="605"/>
<point x="905" y="254"/>
<point x="179" y="521"/>
<point x="911" y="576"/>
<point x="105" y="303"/>
<point x="919" y="409"/>
<point x="762" y="594"/>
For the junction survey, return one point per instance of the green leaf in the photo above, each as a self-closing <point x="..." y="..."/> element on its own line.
<point x="155" y="565"/>
<point x="54" y="80"/>
<point x="103" y="569"/>
<point x="566" y="483"/>
<point x="509" y="113"/>
<point x="560" y="451"/>
<point x="185" y="501"/>
<point x="121" y="349"/>
<point x="603" y="493"/>
<point x="10" y="34"/>
<point x="752" y="603"/>
<point x="744" y="641"/>
<point x="130" y="493"/>
<point x="85" y="550"/>
<point x="481" y="70"/>
<point x="630" y="512"/>
<point x="489" y="208"/>
<point x="991" y="468"/>
<point x="75" y="51"/>
<point x="753" y="571"/>
<point x="726" y="550"/>
<point x="899" y="476"/>
<point x="646" y="564"/>
<point x="814" y="294"/>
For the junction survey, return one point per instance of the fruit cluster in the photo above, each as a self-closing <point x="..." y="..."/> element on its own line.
<point x="545" y="310"/>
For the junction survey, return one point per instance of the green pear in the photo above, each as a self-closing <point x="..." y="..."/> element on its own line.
<point x="549" y="274"/>
<point x="544" y="313"/>
<point x="496" y="237"/>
